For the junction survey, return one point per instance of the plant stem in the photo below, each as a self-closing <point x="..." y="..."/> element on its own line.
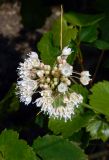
<point x="80" y="58"/>
<point x="97" y="66"/>
<point x="86" y="105"/>
<point x="61" y="27"/>
<point x="98" y="155"/>
<point x="79" y="55"/>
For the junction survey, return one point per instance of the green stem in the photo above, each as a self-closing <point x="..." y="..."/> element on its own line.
<point x="61" y="27"/>
<point x="86" y="105"/>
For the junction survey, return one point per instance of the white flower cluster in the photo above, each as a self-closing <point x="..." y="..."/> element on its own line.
<point x="57" y="100"/>
<point x="65" y="109"/>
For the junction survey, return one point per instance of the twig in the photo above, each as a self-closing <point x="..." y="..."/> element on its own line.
<point x="97" y="66"/>
<point x="61" y="27"/>
<point x="80" y="58"/>
<point x="99" y="154"/>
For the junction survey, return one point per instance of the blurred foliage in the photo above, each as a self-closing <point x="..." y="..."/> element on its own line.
<point x="34" y="13"/>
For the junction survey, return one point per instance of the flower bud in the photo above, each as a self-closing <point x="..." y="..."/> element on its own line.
<point x="66" y="51"/>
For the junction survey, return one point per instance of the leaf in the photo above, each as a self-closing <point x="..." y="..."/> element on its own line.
<point x="71" y="126"/>
<point x="56" y="148"/>
<point x="88" y="34"/>
<point x="80" y="90"/>
<point x="40" y="120"/>
<point x="68" y="33"/>
<point x="100" y="44"/>
<point x="98" y="129"/>
<point x="80" y="19"/>
<point x="99" y="100"/>
<point x="48" y="52"/>
<point x="72" y="56"/>
<point x="11" y="148"/>
<point x="56" y="31"/>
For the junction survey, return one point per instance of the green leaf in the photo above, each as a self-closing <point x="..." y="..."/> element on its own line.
<point x="80" y="19"/>
<point x="56" y="31"/>
<point x="56" y="148"/>
<point x="40" y="120"/>
<point x="72" y="56"/>
<point x="100" y="44"/>
<point x="99" y="100"/>
<point x="48" y="52"/>
<point x="71" y="126"/>
<point x="98" y="129"/>
<point x="88" y="34"/>
<point x="68" y="33"/>
<point x="11" y="148"/>
<point x="80" y="90"/>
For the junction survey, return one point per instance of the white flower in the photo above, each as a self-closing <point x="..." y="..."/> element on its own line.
<point x="39" y="102"/>
<point x="56" y="99"/>
<point x="76" y="98"/>
<point x="33" y="55"/>
<point x="85" y="73"/>
<point x="62" y="87"/>
<point x="85" y="80"/>
<point x="26" y="88"/>
<point x="28" y="100"/>
<point x="33" y="59"/>
<point x="66" y="51"/>
<point x="66" y="69"/>
<point x="66" y="108"/>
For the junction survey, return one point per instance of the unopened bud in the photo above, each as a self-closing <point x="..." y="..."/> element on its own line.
<point x="48" y="80"/>
<point x="68" y="82"/>
<point x="46" y="86"/>
<point x="47" y="72"/>
<point x="42" y="65"/>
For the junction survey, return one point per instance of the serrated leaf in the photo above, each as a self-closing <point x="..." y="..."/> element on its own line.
<point x="72" y="56"/>
<point x="93" y="128"/>
<point x="11" y="148"/>
<point x="88" y="34"/>
<point x="48" y="52"/>
<point x="80" y="19"/>
<point x="71" y="126"/>
<point x="99" y="100"/>
<point x="98" y="129"/>
<point x="56" y="148"/>
<point x="68" y="33"/>
<point x="100" y="44"/>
